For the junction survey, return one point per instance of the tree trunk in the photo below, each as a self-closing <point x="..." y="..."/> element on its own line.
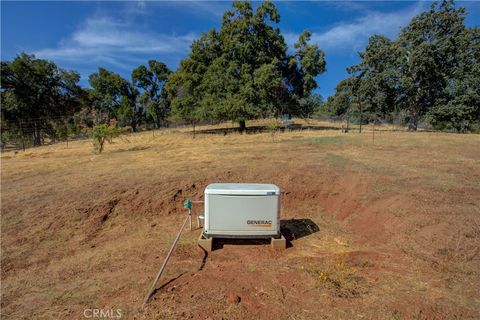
<point x="36" y="134"/>
<point x="348" y="122"/>
<point x="414" y="115"/>
<point x="395" y="120"/>
<point x="415" y="111"/>
<point x="360" y="105"/>
<point x="23" y="138"/>
<point x="373" y="132"/>
<point x="242" y="126"/>
<point x="102" y="141"/>
<point x="193" y="124"/>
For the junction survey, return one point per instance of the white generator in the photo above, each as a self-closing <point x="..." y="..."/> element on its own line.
<point x="242" y="210"/>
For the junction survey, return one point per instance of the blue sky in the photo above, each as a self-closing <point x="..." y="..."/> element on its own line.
<point x="122" y="35"/>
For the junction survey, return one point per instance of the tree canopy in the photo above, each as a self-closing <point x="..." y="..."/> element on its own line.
<point x="430" y="71"/>
<point x="243" y="71"/>
<point x="151" y="80"/>
<point x="35" y="95"/>
<point x="428" y="74"/>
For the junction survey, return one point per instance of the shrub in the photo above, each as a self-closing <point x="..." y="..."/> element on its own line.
<point x="102" y="133"/>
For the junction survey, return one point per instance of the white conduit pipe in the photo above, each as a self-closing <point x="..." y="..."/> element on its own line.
<point x="164" y="263"/>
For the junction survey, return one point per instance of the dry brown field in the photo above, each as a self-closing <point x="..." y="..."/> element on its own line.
<point x="383" y="229"/>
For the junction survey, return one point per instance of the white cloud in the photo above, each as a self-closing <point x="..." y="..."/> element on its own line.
<point x="355" y="34"/>
<point x="212" y="9"/>
<point x="141" y="4"/>
<point x="116" y="42"/>
<point x="137" y="7"/>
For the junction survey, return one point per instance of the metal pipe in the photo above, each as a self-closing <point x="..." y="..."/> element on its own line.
<point x="164" y="264"/>
<point x="190" y="215"/>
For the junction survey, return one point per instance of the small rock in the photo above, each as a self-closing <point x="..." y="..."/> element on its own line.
<point x="234" y="298"/>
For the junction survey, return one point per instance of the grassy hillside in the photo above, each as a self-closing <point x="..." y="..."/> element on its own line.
<point x="384" y="229"/>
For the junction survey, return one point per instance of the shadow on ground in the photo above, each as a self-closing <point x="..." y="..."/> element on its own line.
<point x="260" y="129"/>
<point x="165" y="284"/>
<point x="294" y="229"/>
<point x="219" y="243"/>
<point x="291" y="229"/>
<point x="137" y="148"/>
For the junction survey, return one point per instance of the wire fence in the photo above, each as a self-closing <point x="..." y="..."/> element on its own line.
<point x="24" y="134"/>
<point x="21" y="135"/>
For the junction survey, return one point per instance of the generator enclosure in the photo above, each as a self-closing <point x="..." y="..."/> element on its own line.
<point x="242" y="210"/>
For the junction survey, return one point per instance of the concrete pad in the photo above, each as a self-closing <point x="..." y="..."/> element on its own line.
<point x="279" y="244"/>
<point x="205" y="244"/>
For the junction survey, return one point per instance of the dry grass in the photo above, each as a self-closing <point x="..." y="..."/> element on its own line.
<point x="398" y="225"/>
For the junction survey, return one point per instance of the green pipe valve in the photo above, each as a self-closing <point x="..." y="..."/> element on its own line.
<point x="187" y="204"/>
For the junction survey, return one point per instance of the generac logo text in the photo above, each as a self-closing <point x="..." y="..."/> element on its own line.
<point x="259" y="222"/>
